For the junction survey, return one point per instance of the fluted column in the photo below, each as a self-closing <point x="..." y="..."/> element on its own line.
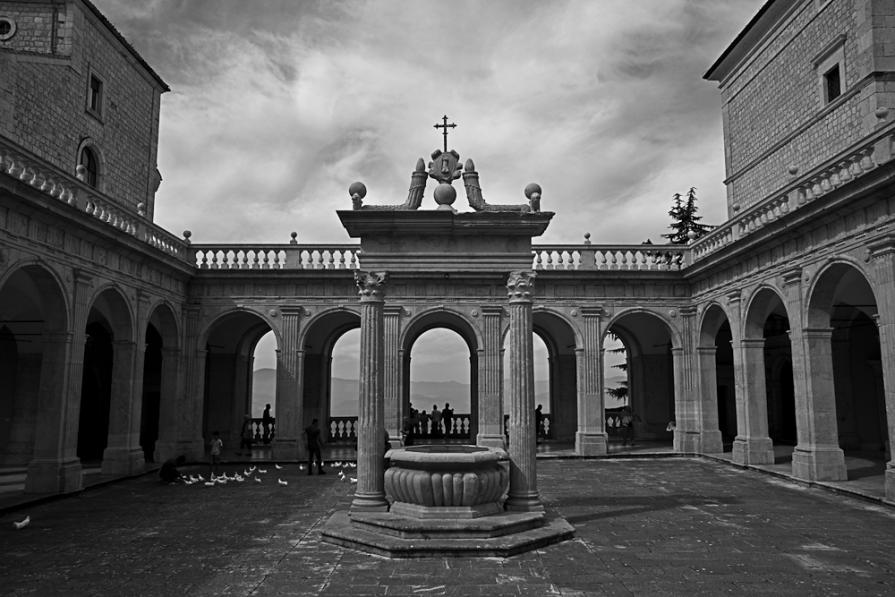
<point x="590" y="439"/>
<point x="490" y="363"/>
<point x="370" y="493"/>
<point x="288" y="413"/>
<point x="394" y="407"/>
<point x="523" y="493"/>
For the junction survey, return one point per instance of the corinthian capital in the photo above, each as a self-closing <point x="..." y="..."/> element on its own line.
<point x="521" y="285"/>
<point x="370" y="285"/>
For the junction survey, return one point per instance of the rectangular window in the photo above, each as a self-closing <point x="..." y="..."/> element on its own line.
<point x="832" y="83"/>
<point x="95" y="96"/>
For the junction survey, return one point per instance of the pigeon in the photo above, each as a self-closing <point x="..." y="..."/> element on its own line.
<point x="257" y="479"/>
<point x="22" y="523"/>
<point x="239" y="478"/>
<point x="341" y="475"/>
<point x="353" y="479"/>
<point x="339" y="463"/>
<point x="252" y="469"/>
<point x="278" y="467"/>
<point x="193" y="478"/>
<point x="201" y="478"/>
<point x="283" y="483"/>
<point x="301" y="467"/>
<point x="209" y="484"/>
<point x="246" y="472"/>
<point x="352" y="465"/>
<point x="263" y="471"/>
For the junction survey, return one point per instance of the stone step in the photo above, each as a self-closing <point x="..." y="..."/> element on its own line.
<point x="422" y="528"/>
<point x="340" y="530"/>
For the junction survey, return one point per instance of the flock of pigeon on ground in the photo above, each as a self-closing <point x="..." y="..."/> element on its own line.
<point x="253" y="473"/>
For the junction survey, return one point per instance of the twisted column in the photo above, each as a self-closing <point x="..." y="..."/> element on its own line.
<point x="523" y="493"/>
<point x="370" y="493"/>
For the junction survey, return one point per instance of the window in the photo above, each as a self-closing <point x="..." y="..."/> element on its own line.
<point x="91" y="166"/>
<point x="832" y="84"/>
<point x="7" y="28"/>
<point x="830" y="68"/>
<point x="95" y="95"/>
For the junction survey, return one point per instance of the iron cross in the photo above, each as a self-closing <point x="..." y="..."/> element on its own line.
<point x="445" y="126"/>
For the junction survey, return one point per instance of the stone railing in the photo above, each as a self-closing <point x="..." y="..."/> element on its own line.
<point x="610" y="257"/>
<point x="56" y="184"/>
<point x="276" y="256"/>
<point x="851" y="164"/>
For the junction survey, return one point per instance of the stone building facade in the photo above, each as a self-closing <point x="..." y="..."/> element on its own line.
<point x="121" y="343"/>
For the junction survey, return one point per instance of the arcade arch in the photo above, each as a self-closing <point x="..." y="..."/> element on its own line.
<point x="230" y="346"/>
<point x="843" y="341"/>
<point x="33" y="329"/>
<point x="158" y="420"/>
<point x="439" y="356"/>
<point x="769" y="410"/>
<point x="561" y="343"/>
<point x="717" y="380"/>
<point x="649" y="341"/>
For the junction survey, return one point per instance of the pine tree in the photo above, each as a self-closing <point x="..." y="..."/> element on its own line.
<point x="684" y="219"/>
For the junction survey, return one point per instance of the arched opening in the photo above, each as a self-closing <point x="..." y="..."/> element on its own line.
<point x="844" y="301"/>
<point x="439" y="406"/>
<point x="229" y="366"/>
<point x="152" y="388"/>
<point x="650" y="405"/>
<point x="264" y="390"/>
<point x="726" y="386"/>
<point x="33" y="341"/>
<point x="89" y="162"/>
<point x="770" y="430"/>
<point x="96" y="391"/>
<point x="453" y="332"/>
<point x="615" y="385"/>
<point x="331" y="370"/>
<point x="555" y="378"/>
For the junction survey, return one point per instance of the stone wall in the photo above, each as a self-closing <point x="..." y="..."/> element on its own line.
<point x="47" y="67"/>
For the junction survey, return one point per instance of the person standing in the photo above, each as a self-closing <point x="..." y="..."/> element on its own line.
<point x="216" y="447"/>
<point x="436" y="421"/>
<point x="266" y="421"/>
<point x="315" y="448"/>
<point x="246" y="436"/>
<point x="424" y="423"/>
<point x="447" y="417"/>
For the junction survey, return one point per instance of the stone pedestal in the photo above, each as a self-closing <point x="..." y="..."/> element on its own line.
<point x="591" y="438"/>
<point x="710" y="440"/>
<point x="490" y="403"/>
<point x="523" y="494"/>
<point x="370" y="493"/>
<point x="752" y="444"/>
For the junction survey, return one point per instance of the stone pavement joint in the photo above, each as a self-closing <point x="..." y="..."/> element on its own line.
<point x="662" y="526"/>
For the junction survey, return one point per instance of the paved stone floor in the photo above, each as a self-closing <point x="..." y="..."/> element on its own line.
<point x="664" y="526"/>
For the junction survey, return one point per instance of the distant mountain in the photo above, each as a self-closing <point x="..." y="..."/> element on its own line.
<point x="423" y="394"/>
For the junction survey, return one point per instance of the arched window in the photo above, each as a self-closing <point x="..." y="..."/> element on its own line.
<point x="88" y="159"/>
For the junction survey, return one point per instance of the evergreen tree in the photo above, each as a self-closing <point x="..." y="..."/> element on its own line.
<point x="684" y="219"/>
<point x="619" y="392"/>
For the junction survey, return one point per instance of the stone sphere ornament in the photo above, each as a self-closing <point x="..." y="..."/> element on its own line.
<point x="445" y="195"/>
<point x="357" y="191"/>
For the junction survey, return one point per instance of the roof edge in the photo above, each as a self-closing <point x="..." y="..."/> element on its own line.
<point x="741" y="44"/>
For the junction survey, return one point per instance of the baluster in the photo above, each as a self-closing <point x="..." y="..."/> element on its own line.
<point x="341" y="263"/>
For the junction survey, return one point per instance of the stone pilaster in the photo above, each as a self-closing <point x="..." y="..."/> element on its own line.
<point x="167" y="447"/>
<point x="490" y="363"/>
<point x="711" y="441"/>
<point x="752" y="444"/>
<point x="370" y="493"/>
<point x="591" y="439"/>
<point x="192" y="405"/>
<point x="123" y="454"/>
<point x="53" y="469"/>
<point x="687" y="405"/>
<point x="523" y="493"/>
<point x="819" y="458"/>
<point x="393" y="391"/>
<point x="288" y="413"/>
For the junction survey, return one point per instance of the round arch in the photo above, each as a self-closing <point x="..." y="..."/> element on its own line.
<point x="667" y="325"/>
<point x="842" y="281"/>
<point x="764" y="301"/>
<point x="714" y="316"/>
<point x="562" y="339"/>
<point x="717" y="379"/>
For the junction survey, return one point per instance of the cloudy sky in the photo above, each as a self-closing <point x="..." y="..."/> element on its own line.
<point x="277" y="106"/>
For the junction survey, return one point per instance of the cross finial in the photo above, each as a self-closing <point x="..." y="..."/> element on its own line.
<point x="445" y="126"/>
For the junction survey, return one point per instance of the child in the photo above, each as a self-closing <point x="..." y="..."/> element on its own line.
<point x="216" y="446"/>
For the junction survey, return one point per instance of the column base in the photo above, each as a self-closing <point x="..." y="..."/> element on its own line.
<point x="123" y="461"/>
<point x="890" y="483"/>
<point x="165" y="450"/>
<point x="286" y="449"/>
<point x="491" y="441"/>
<point x="53" y="476"/>
<point x="369" y="503"/>
<point x="819" y="463"/>
<point x="529" y="502"/>
<point x="711" y="442"/>
<point x="687" y="441"/>
<point x="753" y="450"/>
<point x="591" y="444"/>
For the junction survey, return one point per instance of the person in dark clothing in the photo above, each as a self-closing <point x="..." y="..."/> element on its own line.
<point x="247" y="435"/>
<point x="447" y="417"/>
<point x="169" y="473"/>
<point x="266" y="421"/>
<point x="315" y="448"/>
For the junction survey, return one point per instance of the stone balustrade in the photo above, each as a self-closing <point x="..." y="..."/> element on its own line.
<point x="56" y="184"/>
<point x="277" y="256"/>
<point x="609" y="257"/>
<point x="841" y="170"/>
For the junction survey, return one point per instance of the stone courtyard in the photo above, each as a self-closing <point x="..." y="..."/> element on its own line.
<point x="644" y="526"/>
